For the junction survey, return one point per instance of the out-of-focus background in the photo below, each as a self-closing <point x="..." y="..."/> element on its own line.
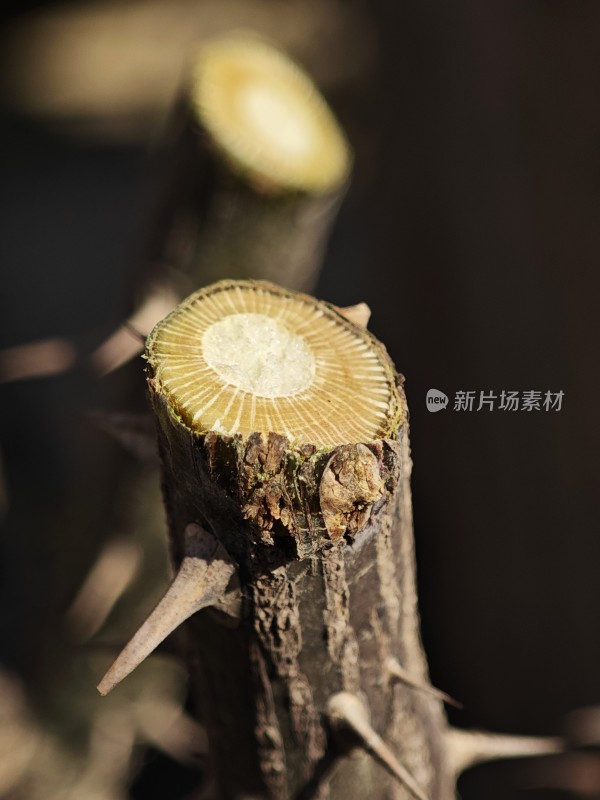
<point x="471" y="228"/>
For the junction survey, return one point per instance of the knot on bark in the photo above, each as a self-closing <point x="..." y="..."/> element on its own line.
<point x="350" y="486"/>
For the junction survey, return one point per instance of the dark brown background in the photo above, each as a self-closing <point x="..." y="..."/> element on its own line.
<point x="473" y="232"/>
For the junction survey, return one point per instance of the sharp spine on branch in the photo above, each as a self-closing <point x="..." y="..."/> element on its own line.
<point x="127" y="341"/>
<point x="359" y="314"/>
<point x="467" y="748"/>
<point x="347" y="712"/>
<point x="397" y="673"/>
<point x="204" y="576"/>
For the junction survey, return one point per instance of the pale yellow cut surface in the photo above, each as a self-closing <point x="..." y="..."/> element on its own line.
<point x="244" y="357"/>
<point x="267" y="116"/>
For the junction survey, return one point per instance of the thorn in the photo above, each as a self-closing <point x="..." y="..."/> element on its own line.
<point x="162" y="722"/>
<point x="467" y="748"/>
<point x="135" y="432"/>
<point x="202" y="580"/>
<point x="112" y="740"/>
<point x="360" y="314"/>
<point x="397" y="673"/>
<point x="110" y="576"/>
<point x="134" y="332"/>
<point x="37" y="360"/>
<point x="128" y="340"/>
<point x="347" y="711"/>
<point x="117" y="350"/>
<point x="184" y="741"/>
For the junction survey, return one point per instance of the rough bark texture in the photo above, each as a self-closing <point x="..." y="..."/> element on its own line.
<point x="323" y="543"/>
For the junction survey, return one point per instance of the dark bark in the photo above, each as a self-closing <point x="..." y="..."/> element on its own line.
<point x="322" y="612"/>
